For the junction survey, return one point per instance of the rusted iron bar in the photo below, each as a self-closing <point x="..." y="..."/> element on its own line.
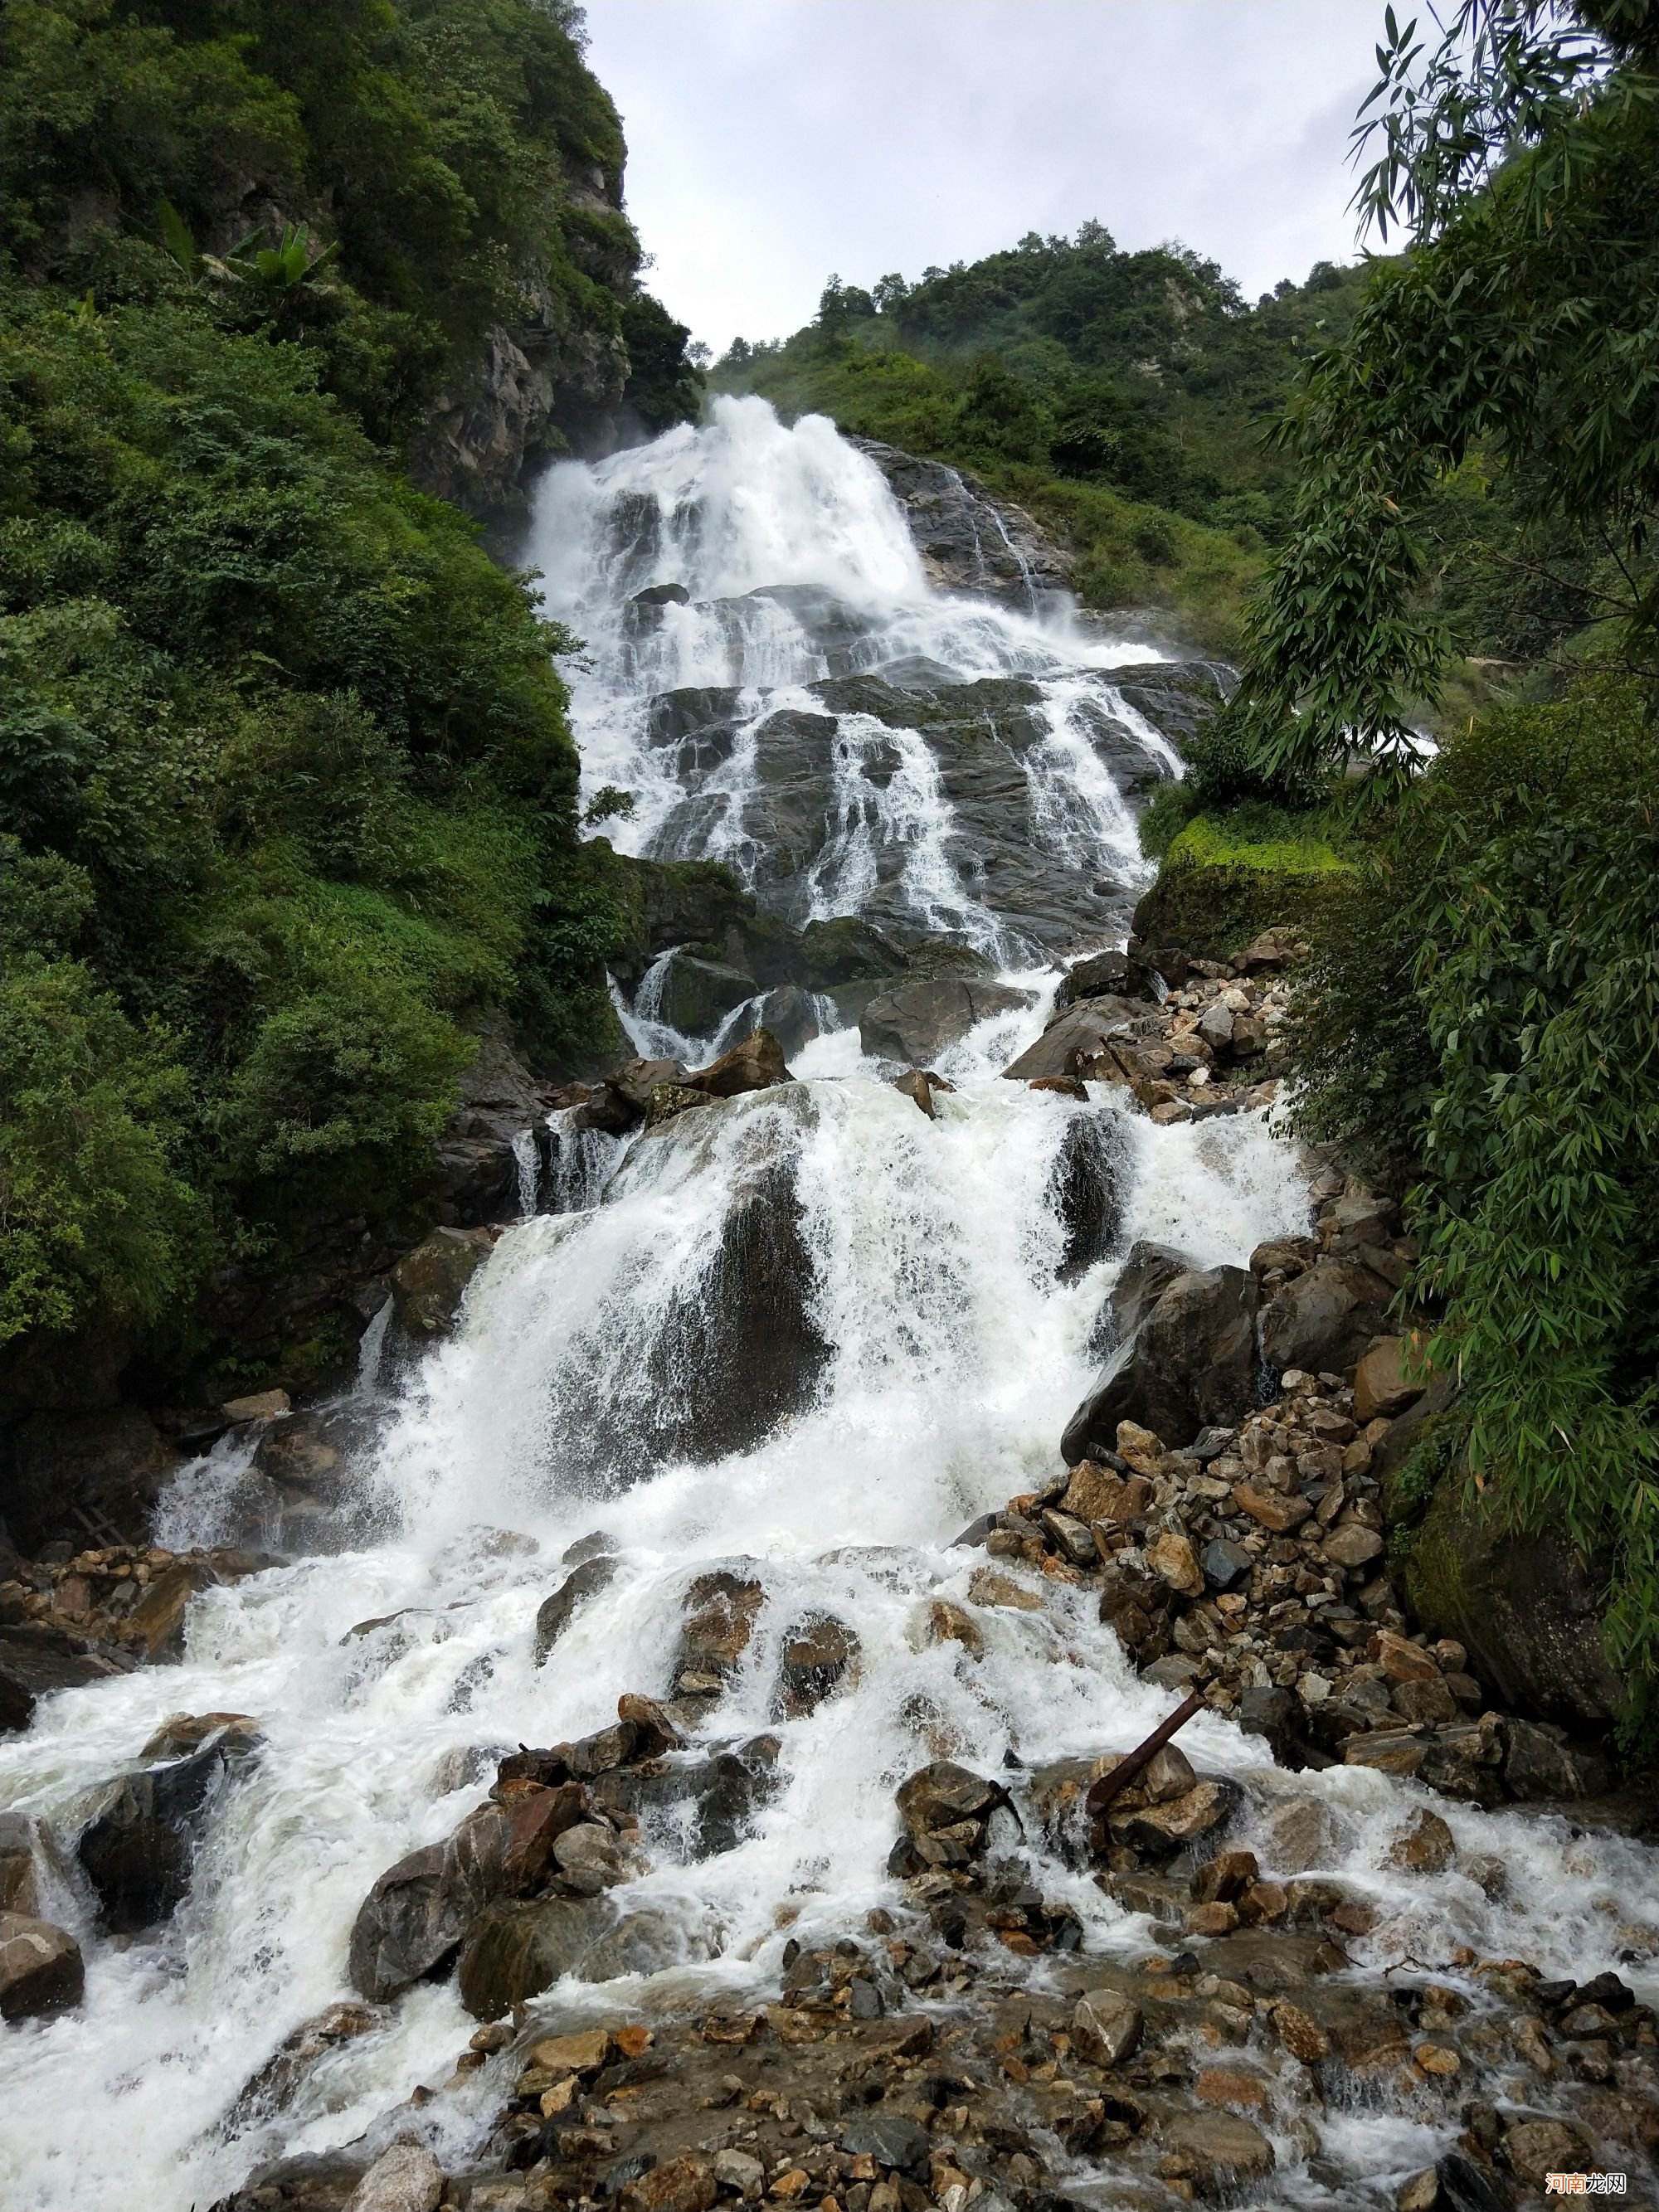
<point x="1102" y="1793"/>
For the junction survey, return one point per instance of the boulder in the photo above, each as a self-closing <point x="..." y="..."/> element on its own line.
<point x="754" y="1064"/>
<point x="947" y="1810"/>
<point x="697" y="1806"/>
<point x="1110" y="976"/>
<point x="913" y="1023"/>
<point x="516" y="1948"/>
<point x="1526" y="1608"/>
<point x="20" y="1887"/>
<point x="694" y="996"/>
<point x="136" y="1849"/>
<point x="554" y="1616"/>
<point x="816" y="1653"/>
<point x="1191" y="1360"/>
<point x="413" y="1920"/>
<point x="1075" y="1042"/>
<point x="41" y="1968"/>
<point x="633" y="1083"/>
<point x="1325" y="1320"/>
<point x="428" y="1284"/>
<point x="36" y="1661"/>
<point x="1105" y="2027"/>
<point x="1215" y="2151"/>
<point x="791" y="1015"/>
<point x="1382" y="1387"/>
<point x="406" y="2178"/>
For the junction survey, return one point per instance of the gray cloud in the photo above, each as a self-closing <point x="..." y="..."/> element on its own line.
<point x="773" y="141"/>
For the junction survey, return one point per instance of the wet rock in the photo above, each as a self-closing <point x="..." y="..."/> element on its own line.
<point x="696" y="1807"/>
<point x="913" y="1023"/>
<point x="20" y="1889"/>
<point x="556" y="1611"/>
<point x="414" y="1918"/>
<point x="721" y="1611"/>
<point x="280" y="2079"/>
<point x="918" y="1087"/>
<point x="816" y="1653"/>
<point x="259" y="1406"/>
<point x="1077" y="1043"/>
<point x="756" y="1063"/>
<point x="694" y="996"/>
<point x="947" y="1810"/>
<point x="1110" y="975"/>
<point x="1106" y="2028"/>
<point x="739" y="1348"/>
<point x="949" y="1622"/>
<point x="1085" y="1190"/>
<point x="684" y="2185"/>
<point x="1215" y="2151"/>
<point x="1428" y="1845"/>
<point x="1191" y="1362"/>
<point x="428" y="1284"/>
<point x="899" y="2144"/>
<point x="515" y="1948"/>
<point x="34" y="1665"/>
<point x="1534" y="2148"/>
<point x="157" y="1623"/>
<point x="406" y="2178"/>
<point x="137" y="1847"/>
<point x="1163" y="1829"/>
<point x="236" y="1734"/>
<point x="41" y="1968"/>
<point x="634" y="1083"/>
<point x="1463" y="2186"/>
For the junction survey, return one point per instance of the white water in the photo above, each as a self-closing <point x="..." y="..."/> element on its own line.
<point x="745" y="507"/>
<point x="955" y="1359"/>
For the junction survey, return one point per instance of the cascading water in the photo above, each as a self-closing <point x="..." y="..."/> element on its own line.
<point x="767" y="672"/>
<point x="826" y="1423"/>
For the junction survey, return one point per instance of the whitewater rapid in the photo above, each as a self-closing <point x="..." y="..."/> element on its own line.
<point x="954" y="1355"/>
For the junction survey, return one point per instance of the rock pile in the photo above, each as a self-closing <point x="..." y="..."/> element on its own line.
<point x="1250" y="1565"/>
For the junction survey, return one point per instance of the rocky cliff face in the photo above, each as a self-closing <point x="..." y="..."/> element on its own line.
<point x="969" y="542"/>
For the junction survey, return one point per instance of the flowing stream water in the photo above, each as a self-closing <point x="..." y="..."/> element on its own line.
<point x="953" y="1354"/>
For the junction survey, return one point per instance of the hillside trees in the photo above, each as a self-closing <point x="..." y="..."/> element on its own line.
<point x="1483" y="1011"/>
<point x="286" y="789"/>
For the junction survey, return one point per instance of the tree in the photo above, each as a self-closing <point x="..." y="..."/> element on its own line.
<point x="1520" y="155"/>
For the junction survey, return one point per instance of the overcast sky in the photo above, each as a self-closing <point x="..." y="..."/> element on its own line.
<point x="770" y="142"/>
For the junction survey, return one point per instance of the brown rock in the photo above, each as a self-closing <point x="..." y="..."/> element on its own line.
<point x="1215" y="2150"/>
<point x="1401" y="1660"/>
<point x="1172" y="1556"/>
<point x="1428" y="1846"/>
<point x="1226" y="2085"/>
<point x="406" y="2178"/>
<point x="1389" y="1754"/>
<point x="684" y="2185"/>
<point x="1215" y="1919"/>
<point x="1143" y="1451"/>
<point x="1534" y="2148"/>
<point x="948" y="1623"/>
<point x="1431" y="1703"/>
<point x="584" y="2053"/>
<point x="1225" y="1877"/>
<point x="756" y="1064"/>
<point x="258" y="1405"/>
<point x="1274" y="1511"/>
<point x="987" y="1587"/>
<point x="1106" y="2028"/>
<point x="1302" y="2037"/>
<point x="41" y="1968"/>
<point x="1351" y="1545"/>
<point x="1381" y="1386"/>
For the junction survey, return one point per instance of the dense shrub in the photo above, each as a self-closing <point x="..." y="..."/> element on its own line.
<point x="1482" y="1011"/>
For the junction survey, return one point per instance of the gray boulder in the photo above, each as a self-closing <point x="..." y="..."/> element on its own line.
<point x="1191" y="1356"/>
<point x="414" y="1918"/>
<point x="137" y="1847"/>
<point x="1085" y="1190"/>
<point x="913" y="1023"/>
<point x="1075" y="1042"/>
<point x="517" y="1948"/>
<point x="34" y="1663"/>
<point x="428" y="1284"/>
<point x="694" y="996"/>
<point x="1323" y="1321"/>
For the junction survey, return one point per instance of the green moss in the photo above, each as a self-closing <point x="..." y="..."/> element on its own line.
<point x="1228" y="876"/>
<point x="1229" y="842"/>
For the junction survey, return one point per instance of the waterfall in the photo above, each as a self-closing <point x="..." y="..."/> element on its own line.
<point x="825" y="1417"/>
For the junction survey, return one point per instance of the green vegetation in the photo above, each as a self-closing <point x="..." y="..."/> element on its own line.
<point x="286" y="784"/>
<point x="1480" y="1017"/>
<point x="1121" y="397"/>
